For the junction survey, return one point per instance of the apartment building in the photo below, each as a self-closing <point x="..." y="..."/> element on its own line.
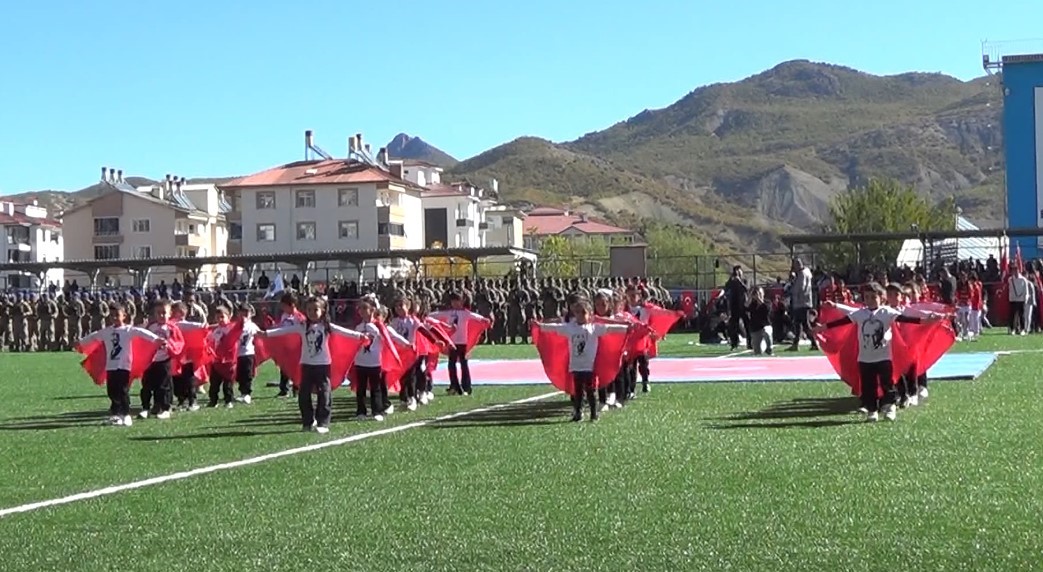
<point x="326" y="204"/>
<point x="171" y="218"/>
<point x="29" y="235"/>
<point x="542" y="222"/>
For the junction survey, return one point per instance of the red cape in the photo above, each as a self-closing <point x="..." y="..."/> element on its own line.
<point x="285" y="351"/>
<point x="554" y="354"/>
<point x="660" y="321"/>
<point x="475" y="329"/>
<point x="440" y="334"/>
<point x="928" y="342"/>
<point x="142" y="352"/>
<point x="195" y="352"/>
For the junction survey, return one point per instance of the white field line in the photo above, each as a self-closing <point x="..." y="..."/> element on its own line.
<point x="257" y="460"/>
<point x="733" y="354"/>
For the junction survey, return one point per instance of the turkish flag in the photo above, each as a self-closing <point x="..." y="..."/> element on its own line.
<point x="142" y="352"/>
<point x="688" y="303"/>
<point x="554" y="355"/>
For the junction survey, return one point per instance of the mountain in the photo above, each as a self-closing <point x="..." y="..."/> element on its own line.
<point x="57" y="202"/>
<point x="403" y="146"/>
<point x="743" y="162"/>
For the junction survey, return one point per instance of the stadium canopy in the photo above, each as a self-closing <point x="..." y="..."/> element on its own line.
<point x="304" y="260"/>
<point x="914" y="252"/>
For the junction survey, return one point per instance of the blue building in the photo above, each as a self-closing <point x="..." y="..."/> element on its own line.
<point x="1023" y="144"/>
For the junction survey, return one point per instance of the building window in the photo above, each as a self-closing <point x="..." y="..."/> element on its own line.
<point x="109" y="226"/>
<point x="391" y="229"/>
<point x="305" y="231"/>
<point x="305" y="199"/>
<point x="348" y="229"/>
<point x="106" y="251"/>
<point x="266" y="233"/>
<point x="348" y="197"/>
<point x="235" y="231"/>
<point x="142" y="252"/>
<point x="388" y="199"/>
<point x="265" y="200"/>
<point x="142" y="225"/>
<point x="191" y="229"/>
<point x="16" y="234"/>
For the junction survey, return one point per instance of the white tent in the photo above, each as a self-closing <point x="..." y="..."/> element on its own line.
<point x="912" y="253"/>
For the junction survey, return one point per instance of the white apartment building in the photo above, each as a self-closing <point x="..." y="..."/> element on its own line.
<point x="326" y="205"/>
<point x="30" y="236"/>
<point x="506" y="226"/>
<point x="169" y="219"/>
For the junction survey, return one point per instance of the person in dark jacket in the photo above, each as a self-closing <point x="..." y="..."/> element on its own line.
<point x="760" y="323"/>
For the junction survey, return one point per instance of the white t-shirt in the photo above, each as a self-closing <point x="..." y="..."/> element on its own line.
<point x="370" y="356"/>
<point x="583" y="341"/>
<point x="287" y="319"/>
<point x="405" y="327"/>
<point x="315" y="340"/>
<point x="246" y="340"/>
<point x="640" y="313"/>
<point x="218" y="333"/>
<point x="163" y="331"/>
<point x="874" y="333"/>
<point x="118" y="353"/>
<point x="459" y="320"/>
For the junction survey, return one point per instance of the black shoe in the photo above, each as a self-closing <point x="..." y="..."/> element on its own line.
<point x="577" y="416"/>
<point x="645" y="388"/>
<point x="282" y="394"/>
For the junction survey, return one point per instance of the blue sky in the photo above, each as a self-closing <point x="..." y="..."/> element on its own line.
<point x="222" y="87"/>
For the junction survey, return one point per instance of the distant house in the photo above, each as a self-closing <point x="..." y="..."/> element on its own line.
<point x="29" y="236"/>
<point x="169" y="219"/>
<point x="543" y="222"/>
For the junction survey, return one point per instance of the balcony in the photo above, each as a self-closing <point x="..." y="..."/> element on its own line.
<point x="180" y="240"/>
<point x="463" y="222"/>
<point x="483" y="226"/>
<point x="107" y="238"/>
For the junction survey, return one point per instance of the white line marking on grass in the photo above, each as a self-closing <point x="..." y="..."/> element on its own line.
<point x="733" y="354"/>
<point x="261" y="459"/>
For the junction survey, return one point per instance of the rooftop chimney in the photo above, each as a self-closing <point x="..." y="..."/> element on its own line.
<point x="184" y="181"/>
<point x="112" y="175"/>
<point x="169" y="183"/>
<point x="104" y="174"/>
<point x="382" y="156"/>
<point x="368" y="152"/>
<point x="119" y="176"/>
<point x="351" y="144"/>
<point x="308" y="139"/>
<point x="358" y="142"/>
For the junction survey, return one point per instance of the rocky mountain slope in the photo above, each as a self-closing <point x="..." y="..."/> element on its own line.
<point x="403" y="146"/>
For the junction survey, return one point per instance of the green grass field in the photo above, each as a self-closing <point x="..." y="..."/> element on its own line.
<point x="748" y="477"/>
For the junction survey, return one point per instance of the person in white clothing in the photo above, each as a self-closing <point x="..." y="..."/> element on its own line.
<point x="245" y="365"/>
<point x="315" y="335"/>
<point x="369" y="362"/>
<point x="1017" y="295"/>
<point x="459" y="318"/>
<point x="116" y="339"/>
<point x="583" y="336"/>
<point x="876" y="370"/>
<point x="157" y="382"/>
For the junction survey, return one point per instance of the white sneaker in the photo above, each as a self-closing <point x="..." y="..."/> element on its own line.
<point x="873" y="417"/>
<point x="922" y="394"/>
<point x="423" y="399"/>
<point x="163" y="415"/>
<point x="605" y="406"/>
<point x="247" y="399"/>
<point x="115" y="420"/>
<point x="618" y="405"/>
<point x="389" y="410"/>
<point x="378" y="417"/>
<point x="143" y="414"/>
<point x="914" y="401"/>
<point x="193" y="407"/>
<point x="229" y="405"/>
<point x="611" y="400"/>
<point x="863" y="411"/>
<point x="322" y="430"/>
<point x="890" y="413"/>
<point x="411" y="406"/>
<point x="128" y="421"/>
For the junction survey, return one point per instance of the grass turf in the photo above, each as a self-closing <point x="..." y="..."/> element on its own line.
<point x="690" y="477"/>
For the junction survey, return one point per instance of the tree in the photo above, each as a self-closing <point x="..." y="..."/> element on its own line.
<point x="673" y="255"/>
<point x="882" y="205"/>
<point x="445" y="266"/>
<point x="571" y="257"/>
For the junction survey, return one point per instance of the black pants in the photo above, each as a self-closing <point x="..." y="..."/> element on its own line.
<point x="368" y="379"/>
<point x="583" y="384"/>
<point x="157" y="387"/>
<point x="117" y="385"/>
<point x="244" y="374"/>
<point x="284" y="383"/>
<point x="315" y="379"/>
<point x="801" y="323"/>
<point x="462" y="383"/>
<point x="1017" y="316"/>
<point x="738" y="323"/>
<point x="185" y="385"/>
<point x="220" y="383"/>
<point x="412" y="381"/>
<point x="641" y="365"/>
<point x="875" y="376"/>
<point x="619" y="385"/>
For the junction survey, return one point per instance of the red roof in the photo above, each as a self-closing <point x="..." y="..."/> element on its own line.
<point x="19" y="218"/>
<point x="442" y="190"/>
<point x="323" y="172"/>
<point x="548" y="221"/>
